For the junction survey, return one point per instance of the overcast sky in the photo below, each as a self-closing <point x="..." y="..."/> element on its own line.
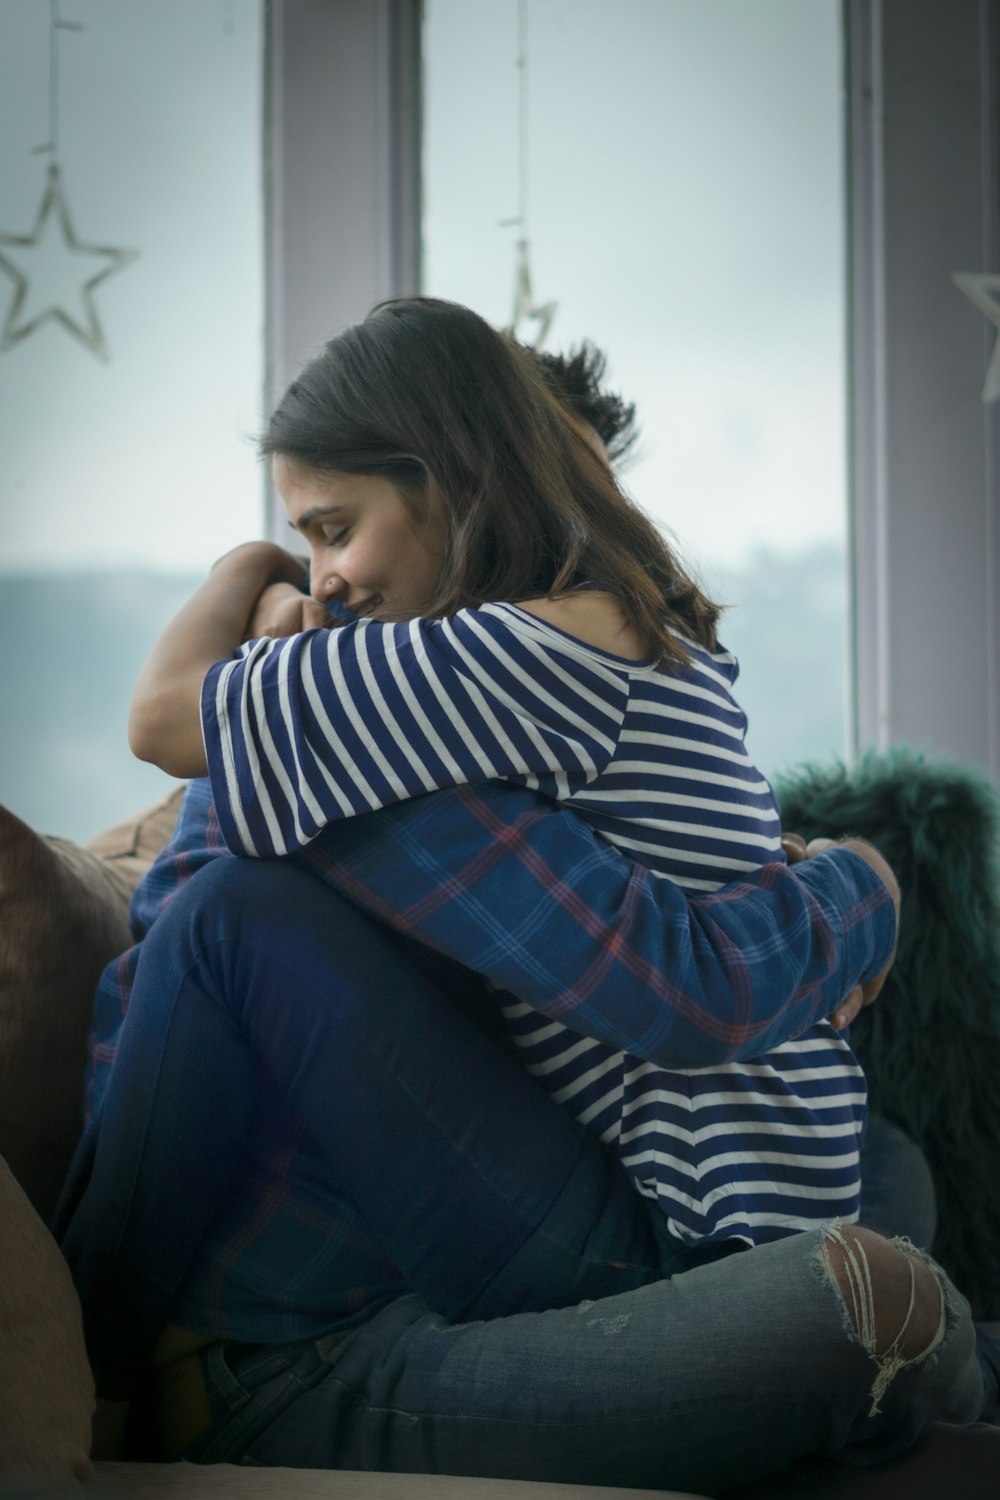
<point x="145" y="459"/>
<point x="684" y="197"/>
<point x="685" y="210"/>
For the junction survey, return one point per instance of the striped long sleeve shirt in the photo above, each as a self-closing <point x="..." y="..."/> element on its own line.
<point x="306" y="732"/>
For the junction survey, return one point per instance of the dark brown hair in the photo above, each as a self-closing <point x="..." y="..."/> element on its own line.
<point x="427" y="394"/>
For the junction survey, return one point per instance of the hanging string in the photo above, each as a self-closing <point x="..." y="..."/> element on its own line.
<point x="522" y="116"/>
<point x="520" y="219"/>
<point x="54" y="83"/>
<point x="523" y="298"/>
<point x="56" y="24"/>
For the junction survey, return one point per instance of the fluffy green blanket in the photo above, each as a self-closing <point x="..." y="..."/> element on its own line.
<point x="931" y="1044"/>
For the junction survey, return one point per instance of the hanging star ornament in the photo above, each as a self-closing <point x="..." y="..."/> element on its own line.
<point x="984" y="292"/>
<point x="523" y="301"/>
<point x="55" y="276"/>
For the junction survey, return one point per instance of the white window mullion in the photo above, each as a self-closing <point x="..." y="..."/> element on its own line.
<point x="922" y="89"/>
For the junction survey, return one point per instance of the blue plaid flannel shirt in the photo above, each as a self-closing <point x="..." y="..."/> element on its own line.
<point x="526" y="895"/>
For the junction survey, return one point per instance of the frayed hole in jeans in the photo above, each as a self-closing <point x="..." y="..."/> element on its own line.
<point x="899" y="1319"/>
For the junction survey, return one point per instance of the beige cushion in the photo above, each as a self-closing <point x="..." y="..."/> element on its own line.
<point x="229" y="1482"/>
<point x="129" y="849"/>
<point x="63" y="915"/>
<point x="46" y="1389"/>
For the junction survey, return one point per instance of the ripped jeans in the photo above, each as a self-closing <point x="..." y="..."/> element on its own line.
<point x="715" y="1377"/>
<point x="727" y="1371"/>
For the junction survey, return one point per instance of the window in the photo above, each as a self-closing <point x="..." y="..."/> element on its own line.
<point x="125" y="473"/>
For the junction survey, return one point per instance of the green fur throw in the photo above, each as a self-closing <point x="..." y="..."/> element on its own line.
<point x="930" y="1044"/>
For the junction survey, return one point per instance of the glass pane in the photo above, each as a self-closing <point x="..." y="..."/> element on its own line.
<point x="126" y="411"/>
<point x="683" y="196"/>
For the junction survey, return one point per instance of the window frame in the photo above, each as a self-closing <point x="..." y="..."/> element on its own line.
<point x="343" y="207"/>
<point x="343" y="139"/>
<point x="924" y="450"/>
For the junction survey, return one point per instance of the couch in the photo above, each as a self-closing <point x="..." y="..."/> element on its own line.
<point x="63" y="915"/>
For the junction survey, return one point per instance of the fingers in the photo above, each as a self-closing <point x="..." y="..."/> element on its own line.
<point x="848" y="1009"/>
<point x="314" y="616"/>
<point x="816" y="846"/>
<point x="794" y="846"/>
<point x="796" y="849"/>
<point x="282" y="610"/>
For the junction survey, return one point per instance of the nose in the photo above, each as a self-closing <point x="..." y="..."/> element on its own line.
<point x="323" y="584"/>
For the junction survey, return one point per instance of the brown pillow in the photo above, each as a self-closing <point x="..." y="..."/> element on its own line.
<point x="46" y="1388"/>
<point x="63" y="916"/>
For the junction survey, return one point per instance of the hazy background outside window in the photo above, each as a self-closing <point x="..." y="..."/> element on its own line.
<point x="685" y="211"/>
<point x="121" y="481"/>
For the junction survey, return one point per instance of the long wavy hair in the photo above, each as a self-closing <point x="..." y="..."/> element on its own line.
<point x="428" y="395"/>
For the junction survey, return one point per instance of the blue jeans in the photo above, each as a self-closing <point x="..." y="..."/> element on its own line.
<point x="715" y="1377"/>
<point x="897" y="1190"/>
<point x="540" y="1339"/>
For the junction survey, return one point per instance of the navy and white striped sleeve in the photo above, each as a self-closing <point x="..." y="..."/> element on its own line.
<point x="303" y="731"/>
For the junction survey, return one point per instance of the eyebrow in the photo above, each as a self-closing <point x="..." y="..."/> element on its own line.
<point x="307" y="518"/>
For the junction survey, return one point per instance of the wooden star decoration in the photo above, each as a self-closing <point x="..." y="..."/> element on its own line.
<point x="52" y="280"/>
<point x="523" y="301"/>
<point x="984" y="292"/>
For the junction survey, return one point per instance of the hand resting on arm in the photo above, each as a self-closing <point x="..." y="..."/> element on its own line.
<point x="862" y="995"/>
<point x="281" y="610"/>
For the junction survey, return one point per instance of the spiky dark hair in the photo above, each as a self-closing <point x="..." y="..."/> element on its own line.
<point x="575" y="380"/>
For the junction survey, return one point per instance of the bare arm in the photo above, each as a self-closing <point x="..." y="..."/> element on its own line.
<point x="164" y="718"/>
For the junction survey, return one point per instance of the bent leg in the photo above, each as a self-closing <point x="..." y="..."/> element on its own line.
<point x="898" y="1198"/>
<point x="716" y="1377"/>
<point x="897" y="1189"/>
<point x="485" y="1193"/>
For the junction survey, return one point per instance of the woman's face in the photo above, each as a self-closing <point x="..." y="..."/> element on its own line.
<point x="366" y="548"/>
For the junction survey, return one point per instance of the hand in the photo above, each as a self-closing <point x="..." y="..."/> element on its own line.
<point x="797" y="849"/>
<point x="281" y="610"/>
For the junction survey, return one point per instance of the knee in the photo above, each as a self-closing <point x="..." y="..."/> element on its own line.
<point x="893" y="1298"/>
<point x="216" y="907"/>
<point x="228" y="892"/>
<point x="897" y="1185"/>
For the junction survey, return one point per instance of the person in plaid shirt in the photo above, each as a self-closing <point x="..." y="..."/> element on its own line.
<point x="280" y="1272"/>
